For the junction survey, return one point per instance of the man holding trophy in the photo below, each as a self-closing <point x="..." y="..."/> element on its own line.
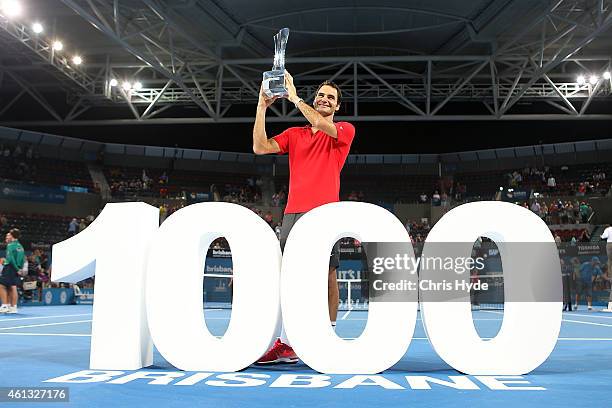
<point x="317" y="153"/>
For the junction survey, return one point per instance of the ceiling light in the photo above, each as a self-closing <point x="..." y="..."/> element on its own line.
<point x="58" y="45"/>
<point x="11" y="8"/>
<point x="113" y="82"/>
<point x="137" y="86"/>
<point x="580" y="80"/>
<point x="593" y="79"/>
<point x="37" y="28"/>
<point x="126" y="86"/>
<point x="77" y="60"/>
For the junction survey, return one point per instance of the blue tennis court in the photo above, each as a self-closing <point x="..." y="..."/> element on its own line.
<point x="43" y="343"/>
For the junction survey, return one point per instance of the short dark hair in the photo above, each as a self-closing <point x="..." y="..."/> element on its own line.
<point x="333" y="85"/>
<point x="15" y="233"/>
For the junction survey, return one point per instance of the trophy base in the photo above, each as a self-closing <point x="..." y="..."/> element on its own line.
<point x="274" y="84"/>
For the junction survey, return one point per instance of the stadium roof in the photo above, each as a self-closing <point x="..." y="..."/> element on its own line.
<point x="200" y="61"/>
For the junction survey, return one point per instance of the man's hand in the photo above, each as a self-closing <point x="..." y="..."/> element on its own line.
<point x="264" y="100"/>
<point x="291" y="91"/>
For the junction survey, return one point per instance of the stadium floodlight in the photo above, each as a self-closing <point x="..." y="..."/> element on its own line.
<point x="114" y="82"/>
<point x="77" y="60"/>
<point x="501" y="189"/>
<point x="580" y="80"/>
<point x="37" y="28"/>
<point x="11" y="8"/>
<point x="510" y="190"/>
<point x="126" y="86"/>
<point x="606" y="75"/>
<point x="593" y="79"/>
<point x="58" y="45"/>
<point x="137" y="86"/>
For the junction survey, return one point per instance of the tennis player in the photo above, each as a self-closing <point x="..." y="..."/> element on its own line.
<point x="317" y="153"/>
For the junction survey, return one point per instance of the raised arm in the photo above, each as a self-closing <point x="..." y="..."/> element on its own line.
<point x="315" y="118"/>
<point x="261" y="143"/>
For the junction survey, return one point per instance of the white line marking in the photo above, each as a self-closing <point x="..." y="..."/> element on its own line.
<point x="344" y="338"/>
<point x="46" y="324"/>
<point x="418" y="319"/>
<point x="489" y="338"/>
<point x="45" y="317"/>
<point x="345" y="315"/>
<point x="577" y="321"/>
<point x="589" y="323"/>
<point x="586" y="315"/>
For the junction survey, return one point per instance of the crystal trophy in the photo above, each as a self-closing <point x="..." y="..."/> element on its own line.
<point x="274" y="81"/>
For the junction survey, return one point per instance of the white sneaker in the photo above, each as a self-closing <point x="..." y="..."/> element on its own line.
<point x="4" y="309"/>
<point x="12" y="310"/>
<point x="575" y="307"/>
<point x="608" y="309"/>
<point x="589" y="308"/>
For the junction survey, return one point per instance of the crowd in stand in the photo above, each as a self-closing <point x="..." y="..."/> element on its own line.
<point x="544" y="179"/>
<point x="561" y="212"/>
<point x="279" y="199"/>
<point x="267" y="216"/>
<point x="418" y="230"/>
<point x="19" y="162"/>
<point x="122" y="185"/>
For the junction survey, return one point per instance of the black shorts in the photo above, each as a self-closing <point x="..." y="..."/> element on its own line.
<point x="289" y="221"/>
<point x="8" y="276"/>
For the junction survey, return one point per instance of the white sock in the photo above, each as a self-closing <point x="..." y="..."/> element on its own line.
<point x="333" y="326"/>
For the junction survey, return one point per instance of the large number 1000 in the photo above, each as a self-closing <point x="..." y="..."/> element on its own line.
<point x="149" y="289"/>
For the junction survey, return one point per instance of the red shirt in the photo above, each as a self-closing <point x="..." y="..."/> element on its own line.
<point x="315" y="161"/>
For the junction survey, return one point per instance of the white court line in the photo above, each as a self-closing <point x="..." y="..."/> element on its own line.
<point x="570" y="321"/>
<point x="589" y="323"/>
<point x="418" y="319"/>
<point x="344" y="338"/>
<point x="345" y="315"/>
<point x="587" y="315"/>
<point x="45" y="317"/>
<point x="489" y="338"/>
<point x="41" y="325"/>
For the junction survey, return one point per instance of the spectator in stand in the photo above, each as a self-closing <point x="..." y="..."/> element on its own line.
<point x="163" y="179"/>
<point x="585" y="212"/>
<point x="557" y="239"/>
<point x="82" y="225"/>
<point x="551" y="183"/>
<point x="423" y="198"/>
<point x="584" y="236"/>
<point x="535" y="207"/>
<point x="268" y="218"/>
<point x="72" y="227"/>
<point x="436" y="199"/>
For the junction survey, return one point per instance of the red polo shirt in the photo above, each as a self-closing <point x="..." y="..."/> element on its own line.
<point x="315" y="162"/>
